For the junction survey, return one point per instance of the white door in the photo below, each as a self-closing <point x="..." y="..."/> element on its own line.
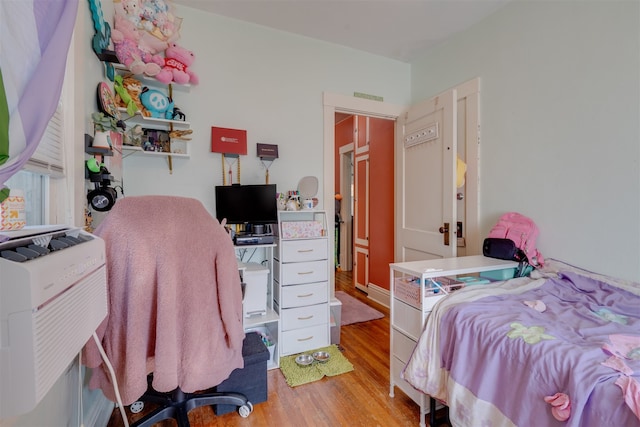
<point x="426" y="147"/>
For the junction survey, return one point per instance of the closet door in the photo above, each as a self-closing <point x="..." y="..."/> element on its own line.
<point x="361" y="220"/>
<point x="362" y="134"/>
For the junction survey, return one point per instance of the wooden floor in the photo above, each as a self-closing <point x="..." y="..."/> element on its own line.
<point x="357" y="398"/>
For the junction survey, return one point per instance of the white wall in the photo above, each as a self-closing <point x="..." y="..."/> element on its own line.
<point x="560" y="100"/>
<point x="269" y="83"/>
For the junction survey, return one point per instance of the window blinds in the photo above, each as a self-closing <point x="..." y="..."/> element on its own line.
<point x="49" y="156"/>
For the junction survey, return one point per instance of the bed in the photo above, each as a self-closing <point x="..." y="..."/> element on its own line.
<point x="560" y="348"/>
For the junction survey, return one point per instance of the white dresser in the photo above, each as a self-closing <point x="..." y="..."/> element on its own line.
<point x="301" y="281"/>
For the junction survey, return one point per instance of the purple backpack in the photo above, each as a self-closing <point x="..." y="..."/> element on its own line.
<point x="522" y="231"/>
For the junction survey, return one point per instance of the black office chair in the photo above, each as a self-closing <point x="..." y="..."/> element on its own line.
<point x="174" y="328"/>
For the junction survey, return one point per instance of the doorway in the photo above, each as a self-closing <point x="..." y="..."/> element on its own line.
<point x="364" y="187"/>
<point x="468" y="124"/>
<point x="352" y="106"/>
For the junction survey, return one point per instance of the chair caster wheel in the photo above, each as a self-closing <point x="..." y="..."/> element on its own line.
<point x="245" y="409"/>
<point x="136" y="407"/>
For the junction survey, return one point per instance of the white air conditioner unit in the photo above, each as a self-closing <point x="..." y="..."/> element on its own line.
<point x="50" y="305"/>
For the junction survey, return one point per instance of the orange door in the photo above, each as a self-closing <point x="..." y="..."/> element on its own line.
<point x="361" y="220"/>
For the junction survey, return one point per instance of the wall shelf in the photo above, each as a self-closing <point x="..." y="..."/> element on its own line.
<point x="144" y="120"/>
<point x="131" y="150"/>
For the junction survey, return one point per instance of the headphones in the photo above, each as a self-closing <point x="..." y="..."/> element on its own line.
<point x="102" y="197"/>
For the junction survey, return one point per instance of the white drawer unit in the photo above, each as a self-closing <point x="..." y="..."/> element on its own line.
<point x="301" y="279"/>
<point x="295" y="273"/>
<point x="302" y="295"/>
<point x="303" y="317"/>
<point x="304" y="250"/>
<point x="305" y="339"/>
<point x="412" y="299"/>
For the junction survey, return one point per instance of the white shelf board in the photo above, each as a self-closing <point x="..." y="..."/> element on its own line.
<point x="138" y="117"/>
<point x="140" y="152"/>
<point x="261" y="320"/>
<point x="452" y="266"/>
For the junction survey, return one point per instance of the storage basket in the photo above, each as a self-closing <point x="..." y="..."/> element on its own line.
<point x="407" y="289"/>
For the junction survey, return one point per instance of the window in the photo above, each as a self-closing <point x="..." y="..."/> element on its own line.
<point x="34" y="187"/>
<point x="35" y="178"/>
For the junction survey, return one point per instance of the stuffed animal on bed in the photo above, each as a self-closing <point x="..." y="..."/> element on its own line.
<point x="126" y="39"/>
<point x="176" y="66"/>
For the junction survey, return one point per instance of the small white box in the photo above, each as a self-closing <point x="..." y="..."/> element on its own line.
<point x="254" y="277"/>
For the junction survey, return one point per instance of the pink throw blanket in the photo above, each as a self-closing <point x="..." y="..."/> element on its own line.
<point x="175" y="300"/>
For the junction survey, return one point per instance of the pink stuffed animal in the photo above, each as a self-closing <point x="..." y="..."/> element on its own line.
<point x="176" y="66"/>
<point x="126" y="40"/>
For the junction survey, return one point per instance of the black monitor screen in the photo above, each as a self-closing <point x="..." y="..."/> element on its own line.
<point x="247" y="204"/>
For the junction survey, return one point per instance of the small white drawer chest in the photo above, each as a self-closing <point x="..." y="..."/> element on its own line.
<point x="408" y="314"/>
<point x="301" y="281"/>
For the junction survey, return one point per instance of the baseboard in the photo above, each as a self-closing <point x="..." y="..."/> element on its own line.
<point x="378" y="294"/>
<point x="362" y="288"/>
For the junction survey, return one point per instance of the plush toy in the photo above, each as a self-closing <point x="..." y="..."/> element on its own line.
<point x="176" y="66"/>
<point x="132" y="10"/>
<point x="157" y="103"/>
<point x="134" y="88"/>
<point x="123" y="99"/>
<point x="125" y="38"/>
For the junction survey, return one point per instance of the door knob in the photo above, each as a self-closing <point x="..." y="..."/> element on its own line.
<point x="445" y="231"/>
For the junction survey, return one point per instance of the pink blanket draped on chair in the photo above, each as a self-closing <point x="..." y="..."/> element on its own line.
<point x="175" y="300"/>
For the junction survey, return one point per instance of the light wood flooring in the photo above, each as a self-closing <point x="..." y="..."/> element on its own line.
<point x="357" y="398"/>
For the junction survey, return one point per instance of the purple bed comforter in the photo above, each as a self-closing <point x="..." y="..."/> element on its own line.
<point x="499" y="356"/>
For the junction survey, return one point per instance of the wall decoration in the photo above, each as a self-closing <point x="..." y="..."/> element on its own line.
<point x="102" y="38"/>
<point x="267" y="153"/>
<point x="228" y="141"/>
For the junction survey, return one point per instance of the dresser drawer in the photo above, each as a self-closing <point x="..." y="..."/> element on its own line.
<point x="303" y="272"/>
<point x="302" y="295"/>
<point x="303" y="250"/>
<point x="407" y="319"/>
<point x="303" y="317"/>
<point x="299" y="340"/>
<point x="403" y="346"/>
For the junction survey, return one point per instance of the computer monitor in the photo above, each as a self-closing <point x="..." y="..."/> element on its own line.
<point x="247" y="204"/>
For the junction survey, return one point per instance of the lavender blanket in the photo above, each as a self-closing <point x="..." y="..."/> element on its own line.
<point x="493" y="359"/>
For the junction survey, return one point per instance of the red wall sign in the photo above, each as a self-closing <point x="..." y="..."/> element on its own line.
<point x="228" y="141"/>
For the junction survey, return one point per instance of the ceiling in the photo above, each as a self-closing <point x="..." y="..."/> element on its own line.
<point x="396" y="29"/>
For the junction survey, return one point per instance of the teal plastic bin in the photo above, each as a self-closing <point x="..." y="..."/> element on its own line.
<point x="472" y="280"/>
<point x="504" y="274"/>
